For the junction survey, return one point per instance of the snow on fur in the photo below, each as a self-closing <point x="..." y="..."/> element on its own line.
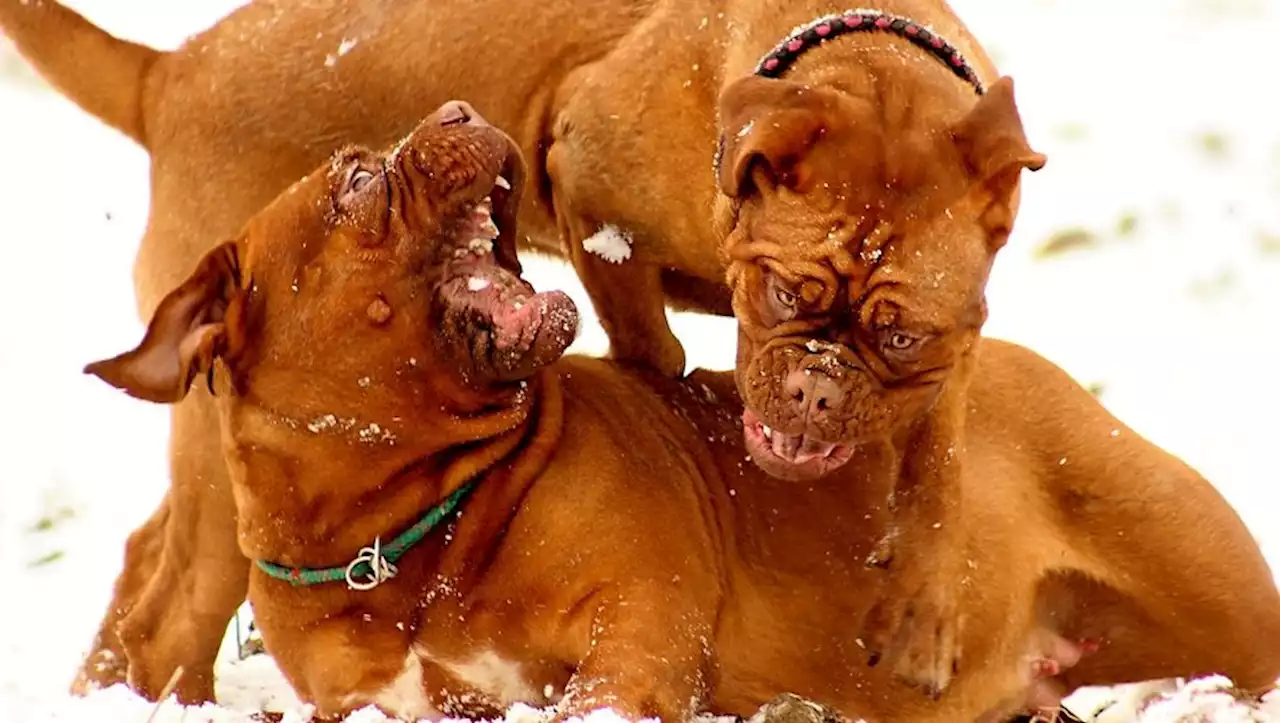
<point x="609" y="243"/>
<point x="1205" y="700"/>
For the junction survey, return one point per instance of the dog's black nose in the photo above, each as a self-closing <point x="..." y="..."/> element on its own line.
<point x="458" y="112"/>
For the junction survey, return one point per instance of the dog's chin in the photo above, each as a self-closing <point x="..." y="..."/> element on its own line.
<point x="530" y="331"/>
<point x="501" y="329"/>
<point x="506" y="331"/>
<point x="791" y="457"/>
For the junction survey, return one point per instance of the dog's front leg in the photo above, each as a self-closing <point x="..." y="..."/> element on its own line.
<point x="646" y="659"/>
<point x="915" y="625"/>
<point x="623" y="281"/>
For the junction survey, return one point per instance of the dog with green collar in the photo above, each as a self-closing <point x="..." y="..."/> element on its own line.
<point x="449" y="517"/>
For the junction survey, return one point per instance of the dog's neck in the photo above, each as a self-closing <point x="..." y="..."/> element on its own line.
<point x="857" y="52"/>
<point x="930" y="450"/>
<point x="318" y="509"/>
<point x="831" y="28"/>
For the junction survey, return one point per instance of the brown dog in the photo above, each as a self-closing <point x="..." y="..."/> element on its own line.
<point x="864" y="184"/>
<point x="381" y="366"/>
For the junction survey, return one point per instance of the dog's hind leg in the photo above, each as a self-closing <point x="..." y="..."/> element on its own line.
<point x="1163" y="577"/>
<point x="1176" y="585"/>
<point x="1156" y="624"/>
<point x="105" y="664"/>
<point x="201" y="578"/>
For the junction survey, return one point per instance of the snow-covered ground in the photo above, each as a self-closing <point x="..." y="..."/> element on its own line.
<point x="1163" y="185"/>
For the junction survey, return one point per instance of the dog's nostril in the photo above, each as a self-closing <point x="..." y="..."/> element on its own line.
<point x="793" y="386"/>
<point x="454" y="113"/>
<point x="812" y="392"/>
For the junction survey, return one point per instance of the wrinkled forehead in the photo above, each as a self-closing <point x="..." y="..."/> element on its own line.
<point x="943" y="257"/>
<point x="860" y="218"/>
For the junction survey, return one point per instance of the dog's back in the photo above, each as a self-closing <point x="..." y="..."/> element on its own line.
<point x="260" y="98"/>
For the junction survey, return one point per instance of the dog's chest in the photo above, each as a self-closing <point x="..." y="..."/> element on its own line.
<point x="406" y="696"/>
<point x="489" y="680"/>
<point x="479" y="683"/>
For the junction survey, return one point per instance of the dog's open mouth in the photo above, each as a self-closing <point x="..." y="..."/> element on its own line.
<point x="790" y="456"/>
<point x="479" y="228"/>
<point x="508" y="329"/>
<point x="488" y="227"/>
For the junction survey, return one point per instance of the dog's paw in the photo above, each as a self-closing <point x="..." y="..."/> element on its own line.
<point x="915" y="632"/>
<point x="665" y="356"/>
<point x="102" y="668"/>
<point x="791" y="708"/>
<point x="914" y="627"/>
<point x="668" y="358"/>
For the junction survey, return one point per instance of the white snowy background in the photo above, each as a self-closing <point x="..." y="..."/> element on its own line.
<point x="1146" y="260"/>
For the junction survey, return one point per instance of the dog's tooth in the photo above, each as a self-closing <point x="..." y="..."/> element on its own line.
<point x="779" y="446"/>
<point x="768" y="431"/>
<point x="503" y="183"/>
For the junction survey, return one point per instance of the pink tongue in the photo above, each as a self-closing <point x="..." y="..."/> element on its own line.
<point x="785" y="445"/>
<point x="516" y="322"/>
<point x="800" y="448"/>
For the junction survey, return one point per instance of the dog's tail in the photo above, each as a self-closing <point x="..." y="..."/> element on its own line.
<point x="104" y="75"/>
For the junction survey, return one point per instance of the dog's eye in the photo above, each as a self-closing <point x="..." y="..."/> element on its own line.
<point x="899" y="341"/>
<point x="778" y="302"/>
<point x="360" y="180"/>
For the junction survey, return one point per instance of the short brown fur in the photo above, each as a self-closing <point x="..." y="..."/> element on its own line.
<point x="617" y="549"/>
<point x="618" y="107"/>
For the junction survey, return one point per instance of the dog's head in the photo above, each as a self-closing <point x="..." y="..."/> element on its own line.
<point x="858" y="248"/>
<point x="383" y="286"/>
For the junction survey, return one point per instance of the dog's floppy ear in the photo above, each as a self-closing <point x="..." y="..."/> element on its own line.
<point x="769" y="127"/>
<point x="991" y="140"/>
<point x="188" y="331"/>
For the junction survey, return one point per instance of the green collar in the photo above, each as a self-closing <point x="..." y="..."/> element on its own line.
<point x="375" y="564"/>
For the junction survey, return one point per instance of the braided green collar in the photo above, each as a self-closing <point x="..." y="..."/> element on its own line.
<point x="375" y="564"/>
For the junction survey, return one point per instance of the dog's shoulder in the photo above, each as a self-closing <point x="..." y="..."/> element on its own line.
<point x="626" y="459"/>
<point x="614" y="412"/>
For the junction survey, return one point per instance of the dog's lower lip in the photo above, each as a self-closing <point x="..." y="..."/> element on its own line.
<point x="791" y="450"/>
<point x="797" y="447"/>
